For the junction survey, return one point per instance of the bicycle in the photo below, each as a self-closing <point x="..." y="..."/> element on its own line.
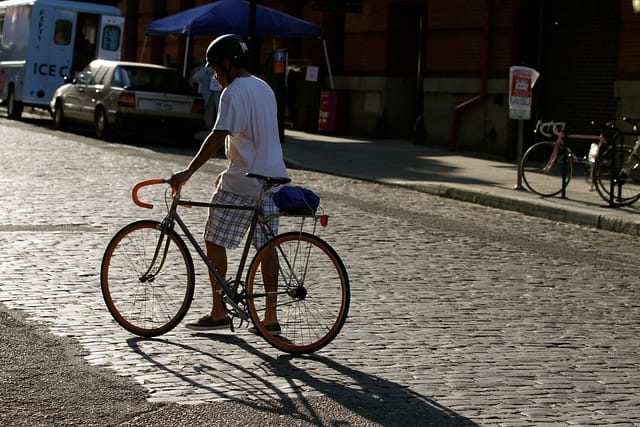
<point x="617" y="171"/>
<point x="547" y="166"/>
<point x="148" y="279"/>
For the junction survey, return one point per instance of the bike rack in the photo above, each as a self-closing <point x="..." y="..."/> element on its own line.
<point x="619" y="135"/>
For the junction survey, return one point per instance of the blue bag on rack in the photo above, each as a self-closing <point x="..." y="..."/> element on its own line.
<point x="296" y="200"/>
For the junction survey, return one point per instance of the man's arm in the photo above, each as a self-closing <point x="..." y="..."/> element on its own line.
<point x="212" y="143"/>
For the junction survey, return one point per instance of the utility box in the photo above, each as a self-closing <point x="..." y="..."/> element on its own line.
<point x="333" y="111"/>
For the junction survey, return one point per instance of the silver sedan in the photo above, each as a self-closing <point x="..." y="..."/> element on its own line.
<point x="118" y="95"/>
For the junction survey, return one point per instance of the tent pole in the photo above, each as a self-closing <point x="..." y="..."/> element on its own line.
<point x="326" y="57"/>
<point x="186" y="55"/>
<point x="144" y="45"/>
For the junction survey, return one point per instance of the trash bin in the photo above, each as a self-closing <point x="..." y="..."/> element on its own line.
<point x="332" y="111"/>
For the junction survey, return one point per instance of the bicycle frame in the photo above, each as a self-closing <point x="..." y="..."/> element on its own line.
<point x="551" y="129"/>
<point x="172" y="217"/>
<point x="616" y="181"/>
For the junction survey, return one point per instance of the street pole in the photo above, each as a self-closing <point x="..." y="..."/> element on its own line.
<point x="519" y="149"/>
<point x="253" y="48"/>
<point x="419" y="134"/>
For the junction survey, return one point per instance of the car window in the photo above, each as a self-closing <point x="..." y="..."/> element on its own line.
<point x="84" y="77"/>
<point x="153" y="80"/>
<point x="99" y="76"/>
<point x="119" y="78"/>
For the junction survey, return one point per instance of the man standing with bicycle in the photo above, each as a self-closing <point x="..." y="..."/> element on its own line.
<point x="247" y="128"/>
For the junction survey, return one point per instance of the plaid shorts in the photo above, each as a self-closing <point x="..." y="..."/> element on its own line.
<point x="227" y="227"/>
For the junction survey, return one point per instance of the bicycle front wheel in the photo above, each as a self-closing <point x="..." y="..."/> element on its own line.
<point x="621" y="165"/>
<point x="541" y="173"/>
<point x="147" y="278"/>
<point x="305" y="288"/>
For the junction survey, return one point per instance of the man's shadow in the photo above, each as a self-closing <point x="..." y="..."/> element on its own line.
<point x="282" y="386"/>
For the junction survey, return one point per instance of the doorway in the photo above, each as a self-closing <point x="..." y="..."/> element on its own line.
<point x="579" y="61"/>
<point x="85" y="40"/>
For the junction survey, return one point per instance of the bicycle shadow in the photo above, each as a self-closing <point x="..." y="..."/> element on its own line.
<point x="282" y="386"/>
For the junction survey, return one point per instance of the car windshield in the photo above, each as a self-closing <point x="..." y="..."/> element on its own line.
<point x="151" y="80"/>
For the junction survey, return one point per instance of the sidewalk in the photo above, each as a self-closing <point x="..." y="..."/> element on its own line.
<point x="454" y="175"/>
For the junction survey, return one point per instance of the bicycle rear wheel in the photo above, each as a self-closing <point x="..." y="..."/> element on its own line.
<point x="310" y="299"/>
<point x="147" y="278"/>
<point x="626" y="176"/>
<point x="542" y="176"/>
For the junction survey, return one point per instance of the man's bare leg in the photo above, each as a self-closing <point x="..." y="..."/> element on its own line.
<point x="218" y="257"/>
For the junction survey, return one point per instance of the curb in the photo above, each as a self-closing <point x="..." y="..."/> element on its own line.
<point x="539" y="209"/>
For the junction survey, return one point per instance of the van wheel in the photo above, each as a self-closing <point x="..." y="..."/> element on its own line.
<point x="14" y="107"/>
<point x="58" y="116"/>
<point x="100" y="124"/>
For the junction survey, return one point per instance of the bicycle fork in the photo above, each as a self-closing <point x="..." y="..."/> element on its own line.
<point x="149" y="276"/>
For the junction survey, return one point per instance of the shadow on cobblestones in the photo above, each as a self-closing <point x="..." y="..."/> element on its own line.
<point x="282" y="386"/>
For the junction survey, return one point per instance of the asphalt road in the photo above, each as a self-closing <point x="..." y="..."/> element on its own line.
<point x="461" y="314"/>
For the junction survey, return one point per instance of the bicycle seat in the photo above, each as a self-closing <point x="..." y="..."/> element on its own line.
<point x="602" y="125"/>
<point x="270" y="181"/>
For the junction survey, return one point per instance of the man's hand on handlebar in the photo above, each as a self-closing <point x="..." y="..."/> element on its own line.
<point x="178" y="179"/>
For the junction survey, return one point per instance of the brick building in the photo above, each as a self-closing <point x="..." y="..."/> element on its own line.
<point x="587" y="51"/>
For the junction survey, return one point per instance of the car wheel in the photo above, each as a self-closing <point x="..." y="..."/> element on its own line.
<point x="14" y="107"/>
<point x="58" y="116"/>
<point x="100" y="125"/>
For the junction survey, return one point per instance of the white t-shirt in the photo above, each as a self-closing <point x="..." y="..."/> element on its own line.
<point x="248" y="111"/>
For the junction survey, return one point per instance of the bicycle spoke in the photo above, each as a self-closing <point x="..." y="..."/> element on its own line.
<point x="147" y="278"/>
<point x="615" y="166"/>
<point x="542" y="169"/>
<point x="312" y="298"/>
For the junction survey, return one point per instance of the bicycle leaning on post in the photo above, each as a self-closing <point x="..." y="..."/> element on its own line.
<point x="547" y="166"/>
<point x="148" y="277"/>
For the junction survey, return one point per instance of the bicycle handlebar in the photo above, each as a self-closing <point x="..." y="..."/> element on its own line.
<point x="265" y="180"/>
<point x="547" y="128"/>
<point x="138" y="186"/>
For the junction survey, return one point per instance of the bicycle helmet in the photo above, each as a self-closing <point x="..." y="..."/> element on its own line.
<point x="228" y="46"/>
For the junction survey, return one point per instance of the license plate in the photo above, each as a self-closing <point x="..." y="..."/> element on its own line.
<point x="155" y="105"/>
<point x="159" y="106"/>
<point x="164" y="106"/>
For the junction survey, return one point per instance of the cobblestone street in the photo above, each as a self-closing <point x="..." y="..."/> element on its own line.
<point x="492" y="316"/>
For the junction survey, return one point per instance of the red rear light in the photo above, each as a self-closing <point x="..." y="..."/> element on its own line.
<point x="198" y="107"/>
<point x="127" y="99"/>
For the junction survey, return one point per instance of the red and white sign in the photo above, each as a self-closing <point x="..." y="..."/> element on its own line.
<point x="521" y="81"/>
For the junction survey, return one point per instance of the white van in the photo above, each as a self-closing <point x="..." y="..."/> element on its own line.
<point x="42" y="41"/>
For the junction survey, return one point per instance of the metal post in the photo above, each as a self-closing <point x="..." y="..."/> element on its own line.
<point x="326" y="57"/>
<point x="518" y="185"/>
<point x="565" y="160"/>
<point x="186" y="56"/>
<point x="419" y="134"/>
<point x="253" y="47"/>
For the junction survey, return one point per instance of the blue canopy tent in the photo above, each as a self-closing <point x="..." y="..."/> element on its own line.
<point x="232" y="16"/>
